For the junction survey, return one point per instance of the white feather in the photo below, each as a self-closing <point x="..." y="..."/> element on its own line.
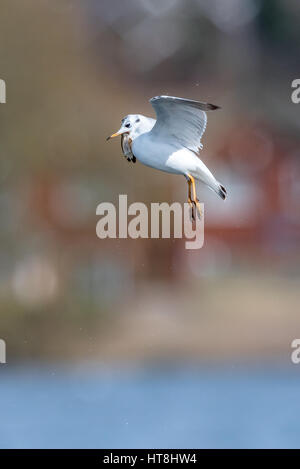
<point x="181" y="120"/>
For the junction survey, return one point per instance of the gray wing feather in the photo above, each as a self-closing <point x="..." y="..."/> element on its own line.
<point x="183" y="120"/>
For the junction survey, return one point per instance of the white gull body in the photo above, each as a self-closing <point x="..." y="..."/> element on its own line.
<point x="172" y="142"/>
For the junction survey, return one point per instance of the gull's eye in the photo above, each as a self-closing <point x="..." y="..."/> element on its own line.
<point x="128" y="125"/>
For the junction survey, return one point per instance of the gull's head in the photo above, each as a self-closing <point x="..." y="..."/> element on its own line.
<point x="133" y="125"/>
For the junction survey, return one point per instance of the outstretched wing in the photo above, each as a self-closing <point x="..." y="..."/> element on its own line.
<point x="183" y="120"/>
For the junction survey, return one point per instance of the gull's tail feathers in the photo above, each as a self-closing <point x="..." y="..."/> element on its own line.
<point x="204" y="175"/>
<point x="222" y="192"/>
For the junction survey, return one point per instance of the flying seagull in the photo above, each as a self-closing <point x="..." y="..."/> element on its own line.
<point x="172" y="142"/>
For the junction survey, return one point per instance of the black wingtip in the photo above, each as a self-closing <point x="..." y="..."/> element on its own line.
<point x="222" y="192"/>
<point x="196" y="104"/>
<point x="212" y="107"/>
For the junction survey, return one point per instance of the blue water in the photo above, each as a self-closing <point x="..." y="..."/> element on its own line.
<point x="151" y="407"/>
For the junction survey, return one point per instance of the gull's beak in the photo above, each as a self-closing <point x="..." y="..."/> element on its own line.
<point x="120" y="132"/>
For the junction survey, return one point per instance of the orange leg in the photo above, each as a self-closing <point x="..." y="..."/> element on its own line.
<point x="190" y="201"/>
<point x="195" y="200"/>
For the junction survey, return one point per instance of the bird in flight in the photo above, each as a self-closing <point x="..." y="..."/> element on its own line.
<point x="171" y="142"/>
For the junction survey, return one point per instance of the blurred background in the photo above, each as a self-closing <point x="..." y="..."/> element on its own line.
<point x="141" y="343"/>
